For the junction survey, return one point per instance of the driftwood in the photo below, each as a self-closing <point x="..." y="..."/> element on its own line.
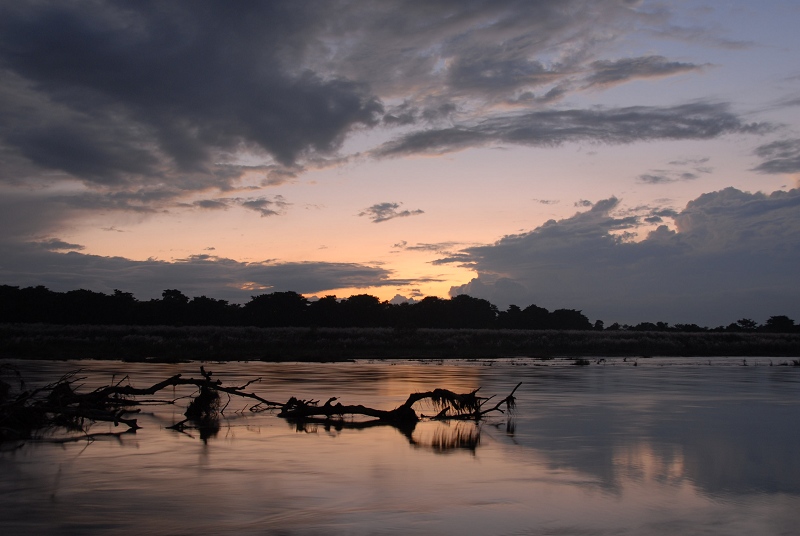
<point x="452" y="405"/>
<point x="59" y="404"/>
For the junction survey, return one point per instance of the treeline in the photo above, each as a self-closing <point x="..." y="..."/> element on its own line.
<point x="290" y="309"/>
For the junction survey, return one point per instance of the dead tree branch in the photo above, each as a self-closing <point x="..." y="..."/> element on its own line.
<point x="60" y="405"/>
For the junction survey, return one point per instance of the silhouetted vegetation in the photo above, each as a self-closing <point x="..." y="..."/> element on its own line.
<point x="31" y="413"/>
<point x="38" y="323"/>
<point x="184" y="343"/>
<point x="290" y="309"/>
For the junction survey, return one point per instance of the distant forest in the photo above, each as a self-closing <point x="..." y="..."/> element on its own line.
<point x="290" y="309"/>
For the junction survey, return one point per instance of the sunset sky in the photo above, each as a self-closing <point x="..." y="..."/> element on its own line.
<point x="636" y="160"/>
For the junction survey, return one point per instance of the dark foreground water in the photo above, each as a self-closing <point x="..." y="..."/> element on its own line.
<point x="671" y="446"/>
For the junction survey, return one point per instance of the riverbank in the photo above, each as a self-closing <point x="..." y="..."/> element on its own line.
<point x="171" y="343"/>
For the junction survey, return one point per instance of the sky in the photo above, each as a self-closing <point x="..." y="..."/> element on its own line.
<point x="635" y="160"/>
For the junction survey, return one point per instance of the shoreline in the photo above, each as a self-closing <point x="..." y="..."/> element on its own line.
<point x="214" y="343"/>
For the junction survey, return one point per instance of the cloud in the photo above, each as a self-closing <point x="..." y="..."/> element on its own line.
<point x="148" y="105"/>
<point x="654" y="179"/>
<point x="732" y="254"/>
<point x="399" y="298"/>
<point x="781" y="156"/>
<point x="690" y="162"/>
<point x="137" y="86"/>
<point x="54" y="244"/>
<point x="439" y="247"/>
<point x="527" y="98"/>
<point x="701" y="35"/>
<point x="681" y="170"/>
<point x="555" y="127"/>
<point x="212" y="204"/>
<point x="115" y="94"/>
<point x="609" y="73"/>
<point x="462" y="259"/>
<point x="485" y="48"/>
<point x="144" y="107"/>
<point x="265" y="206"/>
<point x="666" y="177"/>
<point x="493" y="69"/>
<point x="28" y="264"/>
<point x="382" y="212"/>
<point x="27" y="215"/>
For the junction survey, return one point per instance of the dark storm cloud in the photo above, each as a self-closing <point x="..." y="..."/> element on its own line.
<point x="382" y="212"/>
<point x="143" y="200"/>
<point x="103" y="154"/>
<point x="732" y="254"/>
<point x="608" y="73"/>
<point x="135" y="98"/>
<point x="551" y="128"/>
<point x="150" y="106"/>
<point x="30" y="215"/>
<point x="781" y="156"/>
<point x="132" y="91"/>
<point x="26" y="264"/>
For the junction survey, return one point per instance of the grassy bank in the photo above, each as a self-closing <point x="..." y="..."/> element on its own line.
<point x="44" y="341"/>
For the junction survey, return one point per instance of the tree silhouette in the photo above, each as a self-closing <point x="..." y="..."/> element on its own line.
<point x="746" y="324"/>
<point x="204" y="311"/>
<point x="536" y="317"/>
<point x="325" y="312"/>
<point x="363" y="310"/>
<point x="430" y="312"/>
<point x="277" y="309"/>
<point x="569" y="319"/>
<point x="511" y="318"/>
<point x="779" y="324"/>
<point x="468" y="312"/>
<point x="280" y="309"/>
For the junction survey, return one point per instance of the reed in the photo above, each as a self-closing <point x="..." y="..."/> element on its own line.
<point x="170" y="343"/>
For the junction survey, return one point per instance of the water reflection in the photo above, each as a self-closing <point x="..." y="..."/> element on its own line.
<point x="448" y="436"/>
<point x="662" y="448"/>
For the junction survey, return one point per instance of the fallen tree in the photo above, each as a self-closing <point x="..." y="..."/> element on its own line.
<point x="452" y="406"/>
<point x="31" y="412"/>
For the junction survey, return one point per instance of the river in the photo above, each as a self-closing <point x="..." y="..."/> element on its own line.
<point x="637" y="447"/>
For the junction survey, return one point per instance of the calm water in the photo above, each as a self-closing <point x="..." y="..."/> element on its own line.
<point x="669" y="446"/>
